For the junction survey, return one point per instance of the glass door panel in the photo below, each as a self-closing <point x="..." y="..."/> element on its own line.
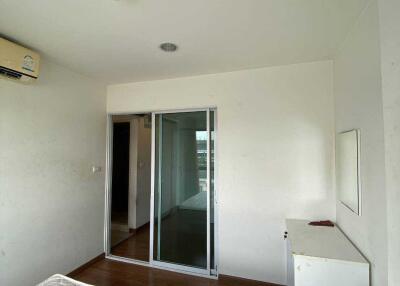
<point x="181" y="198"/>
<point x="212" y="135"/>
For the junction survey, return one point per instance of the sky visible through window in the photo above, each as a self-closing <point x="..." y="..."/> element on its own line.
<point x="201" y="135"/>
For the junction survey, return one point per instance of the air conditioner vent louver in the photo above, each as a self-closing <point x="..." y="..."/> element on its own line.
<point x="17" y="62"/>
<point x="9" y="73"/>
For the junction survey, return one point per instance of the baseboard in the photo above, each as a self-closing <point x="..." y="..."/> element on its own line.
<point x="86" y="265"/>
<point x="135" y="230"/>
<point x="232" y="280"/>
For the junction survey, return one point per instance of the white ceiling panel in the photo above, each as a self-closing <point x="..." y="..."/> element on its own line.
<point x="118" y="41"/>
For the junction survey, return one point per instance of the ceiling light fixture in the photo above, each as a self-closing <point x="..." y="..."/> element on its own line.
<point x="168" y="47"/>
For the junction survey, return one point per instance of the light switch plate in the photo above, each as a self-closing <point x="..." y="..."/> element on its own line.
<point x="96" y="169"/>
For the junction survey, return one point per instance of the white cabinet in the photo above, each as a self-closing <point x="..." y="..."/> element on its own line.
<point x="322" y="256"/>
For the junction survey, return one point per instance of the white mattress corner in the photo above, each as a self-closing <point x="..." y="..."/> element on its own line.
<point x="61" y="280"/>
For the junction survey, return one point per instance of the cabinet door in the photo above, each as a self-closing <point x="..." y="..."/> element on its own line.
<point x="289" y="264"/>
<point x="315" y="271"/>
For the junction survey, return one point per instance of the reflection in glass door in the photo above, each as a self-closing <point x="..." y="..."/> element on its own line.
<point x="183" y="220"/>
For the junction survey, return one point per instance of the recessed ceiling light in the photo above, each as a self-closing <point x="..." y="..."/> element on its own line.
<point x="168" y="47"/>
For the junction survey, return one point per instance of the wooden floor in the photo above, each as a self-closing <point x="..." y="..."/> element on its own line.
<point x="136" y="246"/>
<point x="178" y="228"/>
<point x="112" y="273"/>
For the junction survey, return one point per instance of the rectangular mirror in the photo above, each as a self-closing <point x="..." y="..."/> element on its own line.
<point x="348" y="170"/>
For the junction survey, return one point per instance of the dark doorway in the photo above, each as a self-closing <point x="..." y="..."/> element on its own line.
<point x="131" y="186"/>
<point x="120" y="173"/>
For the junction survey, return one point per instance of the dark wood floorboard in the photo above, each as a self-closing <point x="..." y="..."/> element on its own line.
<point x="183" y="240"/>
<point x="112" y="273"/>
<point x="136" y="246"/>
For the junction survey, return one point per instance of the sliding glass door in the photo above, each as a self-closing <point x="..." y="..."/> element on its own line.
<point x="183" y="197"/>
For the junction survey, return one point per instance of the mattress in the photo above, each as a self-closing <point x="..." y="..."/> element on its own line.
<point x="61" y="280"/>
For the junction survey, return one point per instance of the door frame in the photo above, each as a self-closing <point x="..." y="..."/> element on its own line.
<point x="108" y="192"/>
<point x="209" y="273"/>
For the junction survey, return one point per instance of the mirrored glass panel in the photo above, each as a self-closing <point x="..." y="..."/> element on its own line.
<point x="131" y="186"/>
<point x="180" y="194"/>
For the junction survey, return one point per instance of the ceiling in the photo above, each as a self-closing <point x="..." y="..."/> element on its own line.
<point x="117" y="40"/>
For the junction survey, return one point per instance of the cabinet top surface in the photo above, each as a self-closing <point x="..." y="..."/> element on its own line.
<point x="321" y="241"/>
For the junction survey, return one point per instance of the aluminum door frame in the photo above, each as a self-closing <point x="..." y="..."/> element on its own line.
<point x="209" y="273"/>
<point x="170" y="265"/>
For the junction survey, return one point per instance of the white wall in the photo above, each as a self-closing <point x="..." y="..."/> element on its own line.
<point x="275" y="160"/>
<point x="51" y="205"/>
<point x="358" y="104"/>
<point x="143" y="173"/>
<point x="390" y="56"/>
<point x="139" y="170"/>
<point x="133" y="176"/>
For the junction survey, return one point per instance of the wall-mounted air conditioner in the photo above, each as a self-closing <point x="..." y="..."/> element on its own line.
<point x="17" y="62"/>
